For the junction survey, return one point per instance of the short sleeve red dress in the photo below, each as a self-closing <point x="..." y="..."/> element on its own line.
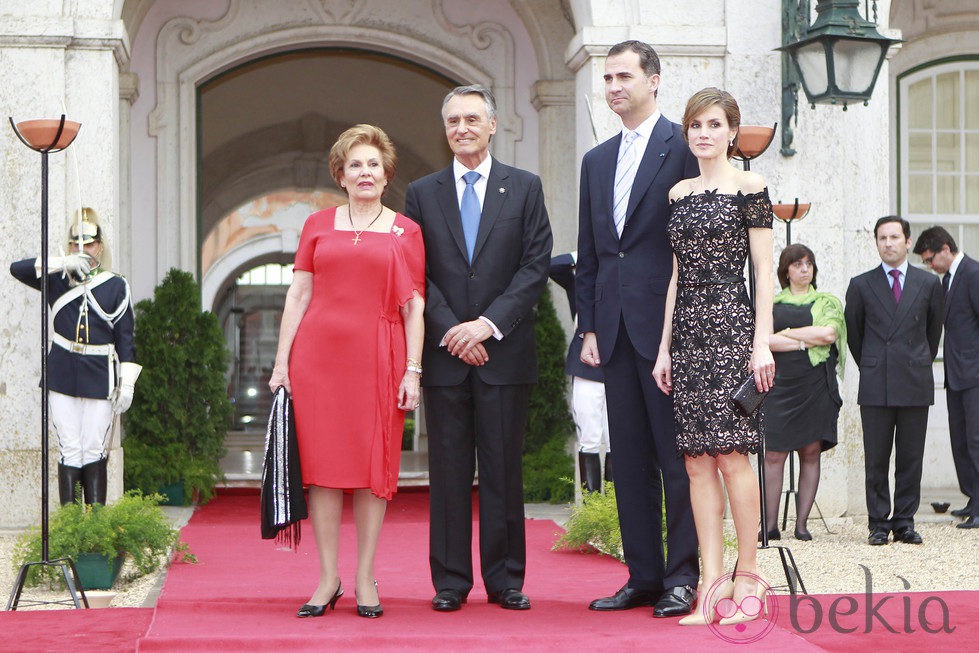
<point x="348" y="357"/>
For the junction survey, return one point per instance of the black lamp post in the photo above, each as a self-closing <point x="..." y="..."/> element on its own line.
<point x="46" y="137"/>
<point x="836" y="59"/>
<point x="752" y="142"/>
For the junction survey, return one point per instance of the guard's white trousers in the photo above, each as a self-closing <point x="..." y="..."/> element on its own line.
<point x="590" y="415"/>
<point x="84" y="427"/>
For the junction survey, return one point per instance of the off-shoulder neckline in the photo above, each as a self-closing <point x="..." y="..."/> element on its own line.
<point x="714" y="193"/>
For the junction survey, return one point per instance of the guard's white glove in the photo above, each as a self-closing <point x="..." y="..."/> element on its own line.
<point x="123" y="397"/>
<point x="75" y="265"/>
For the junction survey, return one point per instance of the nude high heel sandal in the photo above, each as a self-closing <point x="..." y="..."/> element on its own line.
<point x="751" y="608"/>
<point x="705" y="614"/>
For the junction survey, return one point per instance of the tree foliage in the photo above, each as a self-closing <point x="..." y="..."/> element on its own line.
<point x="549" y="424"/>
<point x="179" y="418"/>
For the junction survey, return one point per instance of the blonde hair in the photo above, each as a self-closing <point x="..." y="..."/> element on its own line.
<point x="362" y="135"/>
<point x="706" y="98"/>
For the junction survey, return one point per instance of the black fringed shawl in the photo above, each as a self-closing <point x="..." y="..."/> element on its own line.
<point x="283" y="501"/>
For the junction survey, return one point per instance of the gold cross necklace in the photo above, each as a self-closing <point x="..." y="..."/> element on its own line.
<point x="356" y="239"/>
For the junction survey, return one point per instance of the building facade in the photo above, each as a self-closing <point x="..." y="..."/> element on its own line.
<point x="206" y="123"/>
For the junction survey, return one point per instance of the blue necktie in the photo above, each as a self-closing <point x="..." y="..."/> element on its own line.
<point x="470" y="212"/>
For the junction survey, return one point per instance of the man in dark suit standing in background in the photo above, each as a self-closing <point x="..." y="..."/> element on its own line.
<point x="960" y="281"/>
<point x="894" y="323"/>
<point x="487" y="250"/>
<point x="624" y="267"/>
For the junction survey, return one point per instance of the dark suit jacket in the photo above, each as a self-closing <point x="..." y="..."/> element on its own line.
<point x="70" y="373"/>
<point x="504" y="282"/>
<point x="628" y="278"/>
<point x="894" y="344"/>
<point x="562" y="272"/>
<point x="961" y="349"/>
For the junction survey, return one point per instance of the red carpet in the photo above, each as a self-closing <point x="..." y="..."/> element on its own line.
<point x="78" y="631"/>
<point x="244" y="594"/>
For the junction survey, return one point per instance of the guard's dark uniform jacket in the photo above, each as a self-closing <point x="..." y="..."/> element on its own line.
<point x="76" y="374"/>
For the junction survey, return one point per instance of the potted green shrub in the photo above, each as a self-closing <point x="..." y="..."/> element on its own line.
<point x="176" y="428"/>
<point x="98" y="538"/>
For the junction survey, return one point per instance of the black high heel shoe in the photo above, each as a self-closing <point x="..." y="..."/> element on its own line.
<point x="310" y="610"/>
<point x="773" y="534"/>
<point x="802" y="534"/>
<point x="370" y="611"/>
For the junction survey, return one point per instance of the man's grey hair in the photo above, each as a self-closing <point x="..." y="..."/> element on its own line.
<point x="473" y="89"/>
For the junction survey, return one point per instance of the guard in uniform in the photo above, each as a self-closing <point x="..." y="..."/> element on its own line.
<point x="587" y="390"/>
<point x="91" y="359"/>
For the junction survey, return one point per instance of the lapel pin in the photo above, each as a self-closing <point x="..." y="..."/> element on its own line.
<point x="662" y="154"/>
<point x="502" y="189"/>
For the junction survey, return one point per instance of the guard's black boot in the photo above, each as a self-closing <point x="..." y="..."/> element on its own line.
<point x="608" y="467"/>
<point x="590" y="465"/>
<point x="68" y="480"/>
<point x="94" y="480"/>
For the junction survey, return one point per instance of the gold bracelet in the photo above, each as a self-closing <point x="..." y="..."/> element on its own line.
<point x="414" y="362"/>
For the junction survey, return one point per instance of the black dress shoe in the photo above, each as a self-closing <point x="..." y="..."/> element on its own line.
<point x="971" y="522"/>
<point x="907" y="534"/>
<point x="310" y="610"/>
<point x="962" y="512"/>
<point x="878" y="536"/>
<point x="675" y="602"/>
<point x="448" y="601"/>
<point x="625" y="599"/>
<point x="510" y="599"/>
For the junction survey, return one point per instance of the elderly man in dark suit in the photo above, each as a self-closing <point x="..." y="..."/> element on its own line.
<point x="488" y="245"/>
<point x="624" y="267"/>
<point x="960" y="281"/>
<point x="894" y="323"/>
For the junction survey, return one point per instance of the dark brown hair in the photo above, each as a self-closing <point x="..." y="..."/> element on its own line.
<point x="791" y="254"/>
<point x="705" y="99"/>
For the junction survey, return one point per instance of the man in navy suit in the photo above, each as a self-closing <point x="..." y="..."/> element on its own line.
<point x="487" y="249"/>
<point x="894" y="323"/>
<point x="960" y="282"/>
<point x="624" y="267"/>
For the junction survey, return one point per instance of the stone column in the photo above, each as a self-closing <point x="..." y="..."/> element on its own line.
<point x="554" y="101"/>
<point x="51" y="65"/>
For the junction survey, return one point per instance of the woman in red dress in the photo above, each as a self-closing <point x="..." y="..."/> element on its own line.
<point x="349" y="345"/>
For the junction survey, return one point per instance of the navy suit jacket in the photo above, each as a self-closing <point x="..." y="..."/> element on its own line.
<point x="961" y="351"/>
<point x="894" y="344"/>
<point x="628" y="278"/>
<point x="504" y="281"/>
<point x="70" y="373"/>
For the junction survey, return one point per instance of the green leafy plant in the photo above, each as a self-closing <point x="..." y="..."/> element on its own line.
<point x="593" y="523"/>
<point x="134" y="525"/>
<point x="176" y="427"/>
<point x="549" y="426"/>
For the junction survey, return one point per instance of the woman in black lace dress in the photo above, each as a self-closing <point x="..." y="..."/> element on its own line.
<point x="712" y="339"/>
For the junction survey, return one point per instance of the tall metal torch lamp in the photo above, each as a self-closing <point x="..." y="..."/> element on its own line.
<point x="752" y="142"/>
<point x="46" y="137"/>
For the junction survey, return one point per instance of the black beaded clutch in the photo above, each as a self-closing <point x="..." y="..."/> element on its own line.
<point x="746" y="396"/>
